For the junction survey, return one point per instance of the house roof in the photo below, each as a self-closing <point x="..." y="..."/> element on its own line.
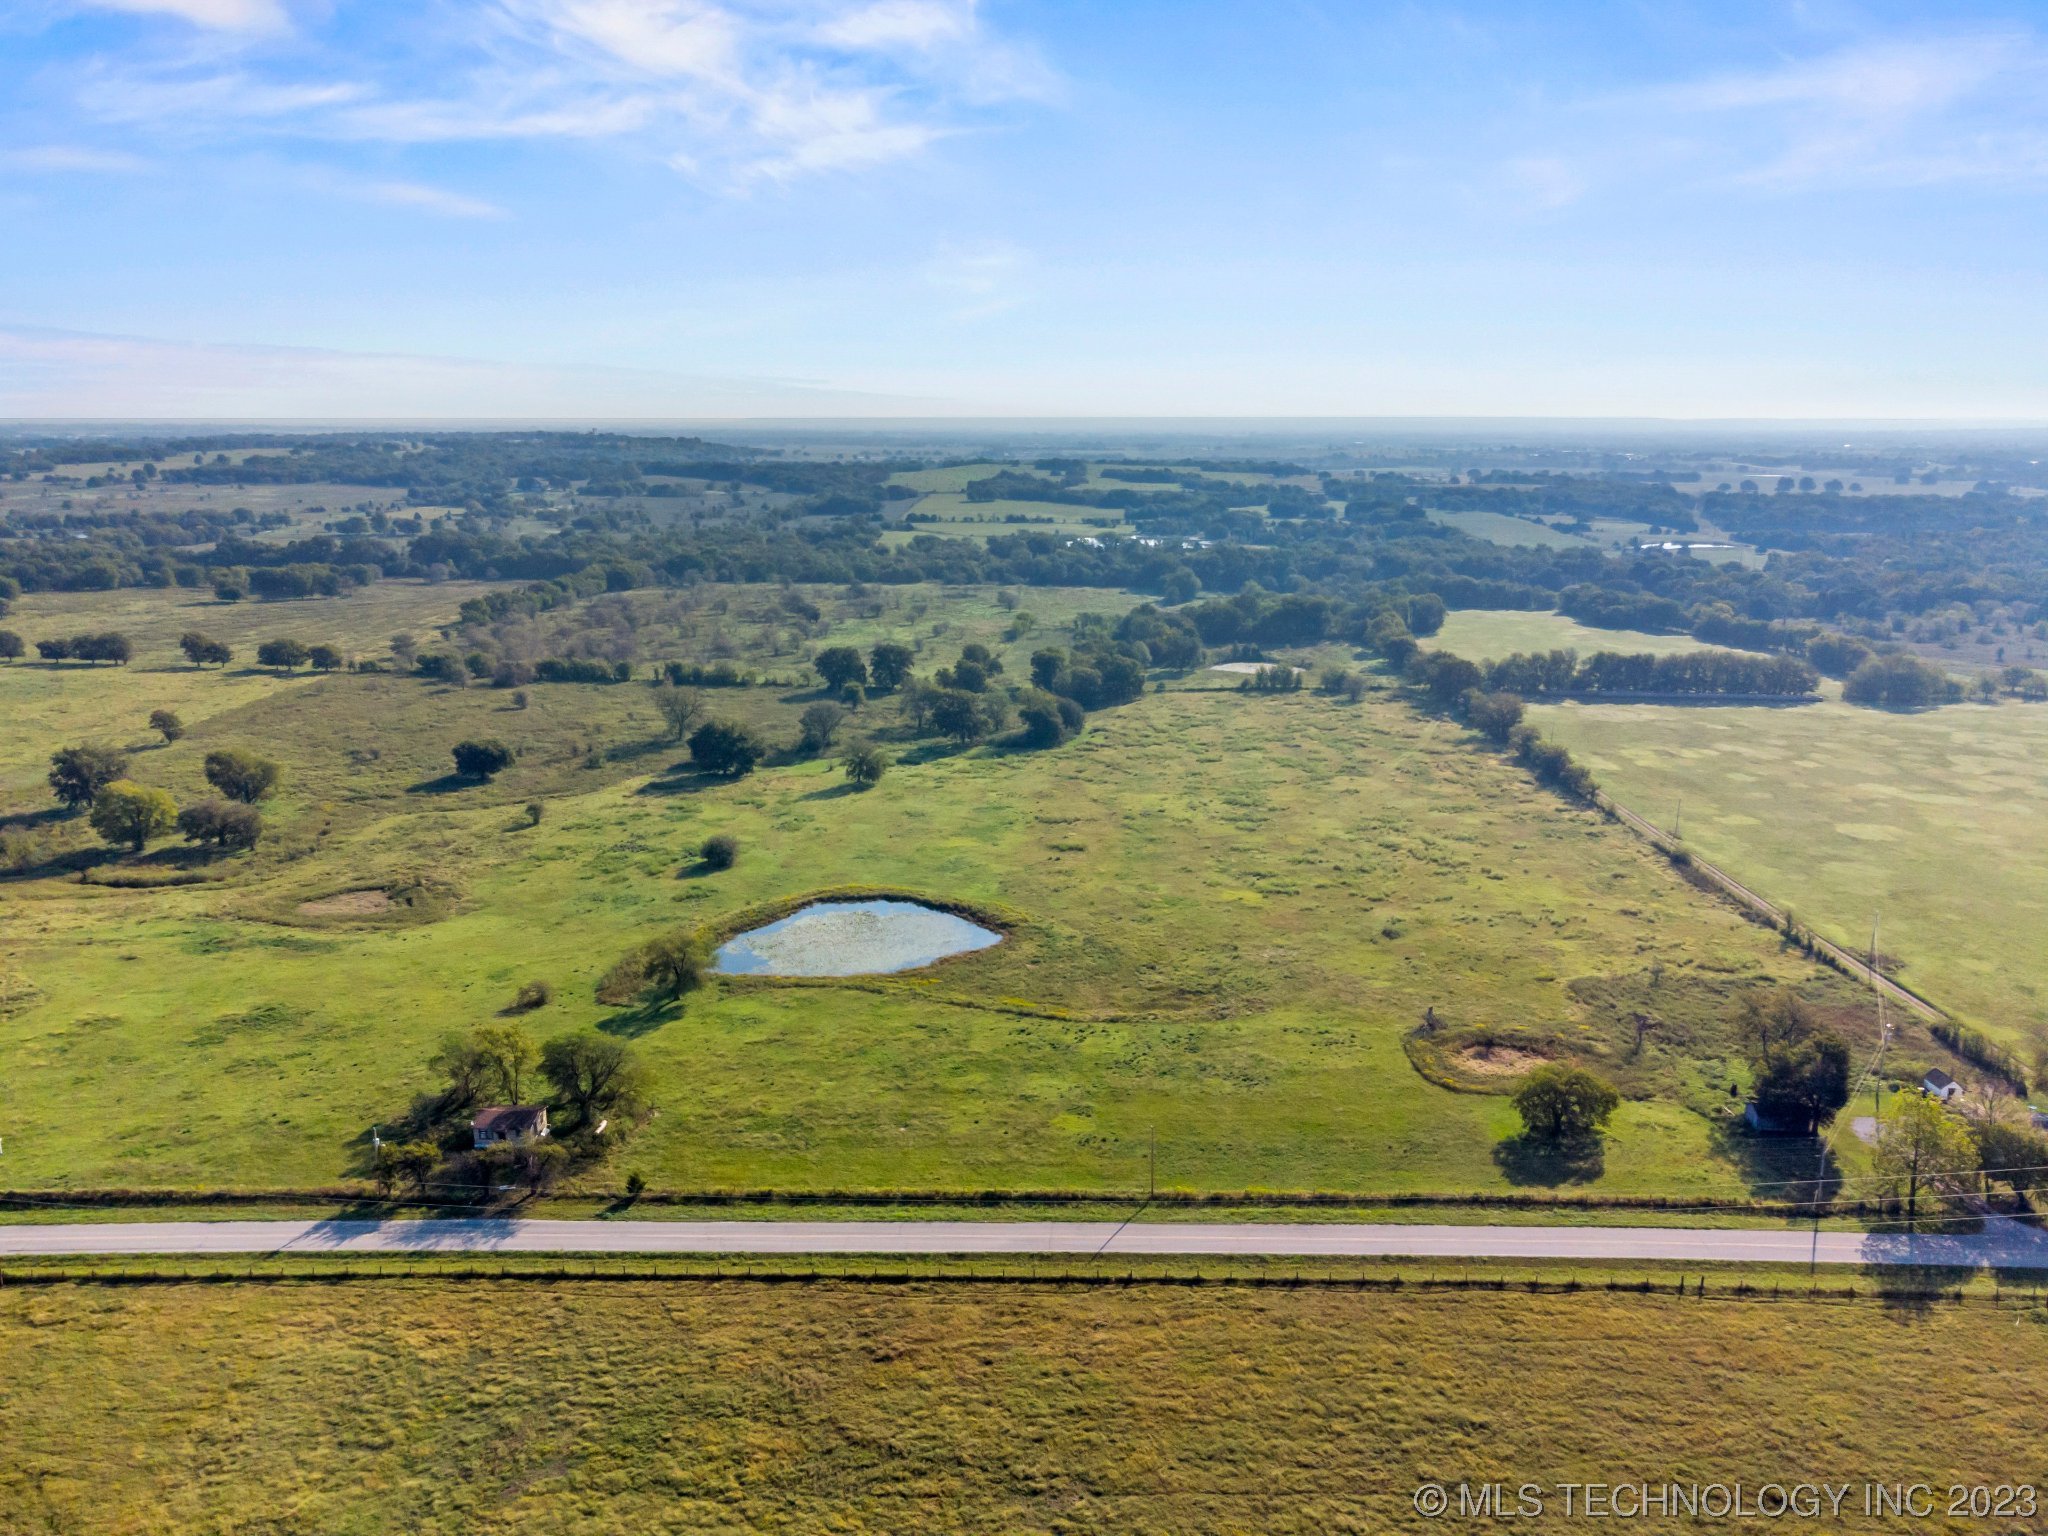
<point x="509" y="1119"/>
<point x="1936" y="1078"/>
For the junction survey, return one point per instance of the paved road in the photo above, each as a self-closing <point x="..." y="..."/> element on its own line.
<point x="2004" y="1245"/>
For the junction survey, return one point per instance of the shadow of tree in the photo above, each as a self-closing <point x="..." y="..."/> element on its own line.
<point x="1527" y="1159"/>
<point x="640" y="1019"/>
<point x="833" y="792"/>
<point x="446" y="784"/>
<point x="1777" y="1167"/>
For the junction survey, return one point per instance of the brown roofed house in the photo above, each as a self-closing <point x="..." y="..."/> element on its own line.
<point x="508" y="1122"/>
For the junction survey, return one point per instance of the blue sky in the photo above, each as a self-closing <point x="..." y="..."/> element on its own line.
<point x="669" y="208"/>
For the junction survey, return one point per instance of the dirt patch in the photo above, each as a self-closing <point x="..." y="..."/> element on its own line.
<point x="1497" y="1061"/>
<point x="348" y="904"/>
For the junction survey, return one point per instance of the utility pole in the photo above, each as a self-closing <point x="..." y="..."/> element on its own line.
<point x="1151" y="1161"/>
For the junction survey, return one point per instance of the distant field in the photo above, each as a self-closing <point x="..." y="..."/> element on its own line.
<point x="1229" y="910"/>
<point x="1937" y="823"/>
<point x="461" y="1407"/>
<point x="1488" y="634"/>
<point x="961" y="518"/>
<point x="1499" y="528"/>
<point x="953" y="477"/>
<point x="47" y="707"/>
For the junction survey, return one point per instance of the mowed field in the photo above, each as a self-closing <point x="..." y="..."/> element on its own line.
<point x="1933" y="825"/>
<point x="1225" y="912"/>
<point x="1488" y="634"/>
<point x="465" y="1407"/>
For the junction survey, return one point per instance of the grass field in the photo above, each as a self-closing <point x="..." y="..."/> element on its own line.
<point x="51" y="706"/>
<point x="1499" y="528"/>
<point x="1227" y="911"/>
<point x="693" y="1407"/>
<point x="1935" y="823"/>
<point x="1488" y="634"/>
<point x="960" y="518"/>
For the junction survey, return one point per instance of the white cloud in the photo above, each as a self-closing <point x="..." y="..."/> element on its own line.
<point x="922" y="24"/>
<point x="732" y="92"/>
<point x="219" y="15"/>
<point x="63" y="158"/>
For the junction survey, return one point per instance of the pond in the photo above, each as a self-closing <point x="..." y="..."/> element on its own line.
<point x="850" y="938"/>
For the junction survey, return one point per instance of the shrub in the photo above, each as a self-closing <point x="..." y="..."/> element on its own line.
<point x="725" y="751"/>
<point x="818" y="724"/>
<point x="224" y="824"/>
<point x="241" y="775"/>
<point x="531" y="995"/>
<point x="1493" y="715"/>
<point x="720" y="851"/>
<point x="534" y="810"/>
<point x="166" y="724"/>
<point x="889" y="666"/>
<point x="131" y="813"/>
<point x="481" y="759"/>
<point x="865" y="764"/>
<point x="840" y="665"/>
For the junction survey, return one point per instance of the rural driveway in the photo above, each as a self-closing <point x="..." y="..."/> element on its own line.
<point x="2002" y="1245"/>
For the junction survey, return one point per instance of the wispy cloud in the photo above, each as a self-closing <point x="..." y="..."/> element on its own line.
<point x="220" y="15"/>
<point x="62" y="159"/>
<point x="734" y="92"/>
<point x="1894" y="111"/>
<point x="980" y="280"/>
<point x="411" y="194"/>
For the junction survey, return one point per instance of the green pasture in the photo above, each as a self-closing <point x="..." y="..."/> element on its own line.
<point x="1227" y="910"/>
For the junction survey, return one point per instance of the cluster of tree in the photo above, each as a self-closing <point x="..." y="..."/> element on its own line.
<point x="122" y="811"/>
<point x="108" y="646"/>
<point x="580" y="669"/>
<point x="1615" y="605"/>
<point x="204" y="650"/>
<point x="1801" y="1069"/>
<point x="288" y="655"/>
<point x="1273" y="679"/>
<point x="1691" y="673"/>
<point x="1900" y="681"/>
<point x="592" y="1081"/>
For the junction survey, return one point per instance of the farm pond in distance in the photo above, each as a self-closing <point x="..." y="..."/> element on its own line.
<point x="851" y="938"/>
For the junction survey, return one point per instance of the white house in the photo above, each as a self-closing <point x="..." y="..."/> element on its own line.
<point x="508" y="1122"/>
<point x="1939" y="1085"/>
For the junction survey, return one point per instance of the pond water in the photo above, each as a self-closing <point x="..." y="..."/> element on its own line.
<point x="850" y="938"/>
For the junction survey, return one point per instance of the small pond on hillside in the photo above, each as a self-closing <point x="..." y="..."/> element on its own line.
<point x="850" y="938"/>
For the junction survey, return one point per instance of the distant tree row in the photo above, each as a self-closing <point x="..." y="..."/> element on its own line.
<point x="1563" y="673"/>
